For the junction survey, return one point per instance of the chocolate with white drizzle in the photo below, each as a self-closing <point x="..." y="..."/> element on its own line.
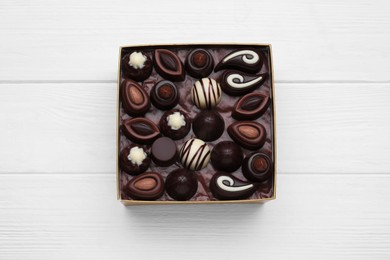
<point x="206" y="93"/>
<point x="247" y="60"/>
<point x="225" y="186"/>
<point x="194" y="154"/>
<point x="235" y="83"/>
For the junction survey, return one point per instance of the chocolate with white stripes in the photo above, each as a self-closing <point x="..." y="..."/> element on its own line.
<point x="206" y="93"/>
<point x="194" y="154"/>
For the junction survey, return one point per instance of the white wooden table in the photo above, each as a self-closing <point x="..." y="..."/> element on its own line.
<point x="58" y="62"/>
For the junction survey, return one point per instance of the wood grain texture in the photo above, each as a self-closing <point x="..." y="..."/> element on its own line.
<point x="342" y="128"/>
<point x="78" y="41"/>
<point x="77" y="217"/>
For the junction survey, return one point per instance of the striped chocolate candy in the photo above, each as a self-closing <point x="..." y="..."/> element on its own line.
<point x="194" y="154"/>
<point x="206" y="93"/>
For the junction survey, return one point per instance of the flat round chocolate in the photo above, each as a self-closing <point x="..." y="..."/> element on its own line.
<point x="257" y="167"/>
<point x="226" y="156"/>
<point x="208" y="125"/>
<point x="134" y="159"/>
<point x="164" y="152"/>
<point x="199" y="63"/>
<point x="137" y="66"/>
<point x="164" y="95"/>
<point x="181" y="184"/>
<point x="175" y="124"/>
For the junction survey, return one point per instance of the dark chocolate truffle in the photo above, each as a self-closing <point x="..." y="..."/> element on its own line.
<point x="199" y="63"/>
<point x="137" y="66"/>
<point x="164" y="152"/>
<point x="208" y="125"/>
<point x="147" y="186"/>
<point x="164" y="95"/>
<point x="248" y="134"/>
<point x="235" y="83"/>
<point x="226" y="156"/>
<point x="135" y="100"/>
<point x="257" y="167"/>
<point x="168" y="65"/>
<point x="175" y="124"/>
<point x="225" y="186"/>
<point x="247" y="60"/>
<point x="134" y="159"/>
<point x="181" y="184"/>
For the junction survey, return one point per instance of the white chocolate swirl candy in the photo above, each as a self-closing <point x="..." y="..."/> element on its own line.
<point x="206" y="93"/>
<point x="246" y="60"/>
<point x="194" y="154"/>
<point x="235" y="83"/>
<point x="226" y="183"/>
<point x="248" y="56"/>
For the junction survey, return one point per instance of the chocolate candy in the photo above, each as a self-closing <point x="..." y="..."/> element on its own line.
<point x="208" y="125"/>
<point x="199" y="63"/>
<point x="251" y="106"/>
<point x="137" y="66"/>
<point x="206" y="93"/>
<point x="168" y="65"/>
<point x="227" y="187"/>
<point x="226" y="156"/>
<point x="175" y="124"/>
<point x="164" y="152"/>
<point x="140" y="130"/>
<point x="146" y="186"/>
<point x="135" y="100"/>
<point x="248" y="134"/>
<point x="236" y="83"/>
<point x="134" y="159"/>
<point x="257" y="167"/>
<point x="194" y="154"/>
<point x="181" y="184"/>
<point x="247" y="60"/>
<point x="164" y="95"/>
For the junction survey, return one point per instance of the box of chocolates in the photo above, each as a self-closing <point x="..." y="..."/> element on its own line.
<point x="196" y="124"/>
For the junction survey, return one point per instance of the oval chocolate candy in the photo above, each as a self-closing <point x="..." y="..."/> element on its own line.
<point x="257" y="167"/>
<point x="168" y="65"/>
<point x="248" y="134"/>
<point x="235" y="83"/>
<point x="225" y="186"/>
<point x="135" y="100"/>
<point x="246" y="60"/>
<point x="140" y="130"/>
<point x="250" y="106"/>
<point x="146" y="186"/>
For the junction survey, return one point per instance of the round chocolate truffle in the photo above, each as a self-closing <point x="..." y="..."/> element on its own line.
<point x="208" y="125"/>
<point x="257" y="167"/>
<point x="134" y="159"/>
<point x="164" y="152"/>
<point x="206" y="93"/>
<point x="226" y="156"/>
<point x="181" y="184"/>
<point x="194" y="154"/>
<point x="164" y="95"/>
<point x="199" y="63"/>
<point x="175" y="124"/>
<point x="137" y="66"/>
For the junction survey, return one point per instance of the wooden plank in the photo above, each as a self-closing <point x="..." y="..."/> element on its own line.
<point x="75" y="41"/>
<point x="76" y="216"/>
<point x="321" y="128"/>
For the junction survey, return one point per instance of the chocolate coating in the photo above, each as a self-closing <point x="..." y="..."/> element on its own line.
<point x="135" y="100"/>
<point x="199" y="63"/>
<point x="133" y="168"/>
<point x="146" y="186"/>
<point x="168" y="128"/>
<point x="168" y="65"/>
<point x="134" y="72"/>
<point x="257" y="167"/>
<point x="235" y="83"/>
<point x="251" y="106"/>
<point x="181" y="184"/>
<point x="164" y="152"/>
<point x="208" y="125"/>
<point x="248" y="134"/>
<point x="140" y="130"/>
<point x="226" y="156"/>
<point x="246" y="60"/>
<point x="227" y="187"/>
<point x="164" y="95"/>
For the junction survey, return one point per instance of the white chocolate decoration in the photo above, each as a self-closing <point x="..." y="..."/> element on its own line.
<point x="194" y="154"/>
<point x="206" y="93"/>
<point x="230" y="187"/>
<point x="137" y="155"/>
<point x="176" y="121"/>
<point x="137" y="60"/>
<point x="241" y="84"/>
<point x="248" y="56"/>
